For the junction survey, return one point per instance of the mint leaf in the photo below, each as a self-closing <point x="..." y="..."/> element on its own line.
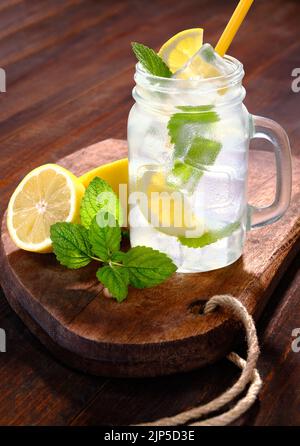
<point x="71" y="244"/>
<point x="118" y="256"/>
<point x="116" y="279"/>
<point x="195" y="108"/>
<point x="203" y="152"/>
<point x="209" y="237"/>
<point x="190" y="147"/>
<point x="183" y="175"/>
<point x="147" y="267"/>
<point x="104" y="240"/>
<point x="150" y="60"/>
<point x="184" y="127"/>
<point x="99" y="196"/>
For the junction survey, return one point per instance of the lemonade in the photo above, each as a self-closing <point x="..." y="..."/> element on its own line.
<point x="188" y="140"/>
<point x="188" y="150"/>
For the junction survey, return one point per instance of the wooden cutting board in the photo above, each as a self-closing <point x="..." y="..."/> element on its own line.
<point x="159" y="330"/>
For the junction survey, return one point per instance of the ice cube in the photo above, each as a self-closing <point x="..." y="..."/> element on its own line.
<point x="143" y="234"/>
<point x="206" y="63"/>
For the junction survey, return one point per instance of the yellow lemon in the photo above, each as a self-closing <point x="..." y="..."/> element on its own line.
<point x="114" y="173"/>
<point x="181" y="47"/>
<point x="168" y="210"/>
<point x="46" y="195"/>
<point x="198" y="67"/>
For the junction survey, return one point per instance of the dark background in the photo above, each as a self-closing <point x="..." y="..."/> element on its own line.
<point x="69" y="73"/>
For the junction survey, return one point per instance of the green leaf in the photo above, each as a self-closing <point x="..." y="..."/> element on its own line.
<point x="184" y="127"/>
<point x="190" y="148"/>
<point x="203" y="152"/>
<point x="104" y="240"/>
<point x="71" y="244"/>
<point x="209" y="237"/>
<point x="99" y="196"/>
<point x="118" y="256"/>
<point x="147" y="267"/>
<point x="195" y="108"/>
<point x="150" y="60"/>
<point x="115" y="279"/>
<point x="183" y="175"/>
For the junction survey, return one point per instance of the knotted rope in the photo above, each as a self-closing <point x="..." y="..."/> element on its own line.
<point x="249" y="375"/>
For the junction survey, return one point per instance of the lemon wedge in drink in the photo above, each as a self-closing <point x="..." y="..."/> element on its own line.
<point x="46" y="195"/>
<point x="181" y="47"/>
<point x="168" y="210"/>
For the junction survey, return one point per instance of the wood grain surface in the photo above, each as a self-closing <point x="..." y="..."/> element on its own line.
<point x="159" y="330"/>
<point x="69" y="75"/>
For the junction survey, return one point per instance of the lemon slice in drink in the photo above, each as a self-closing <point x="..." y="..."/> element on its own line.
<point x="181" y="47"/>
<point x="167" y="209"/>
<point x="45" y="196"/>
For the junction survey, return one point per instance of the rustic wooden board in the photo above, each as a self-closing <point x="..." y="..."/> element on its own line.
<point x="155" y="331"/>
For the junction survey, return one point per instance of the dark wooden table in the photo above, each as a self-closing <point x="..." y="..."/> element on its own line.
<point x="69" y="77"/>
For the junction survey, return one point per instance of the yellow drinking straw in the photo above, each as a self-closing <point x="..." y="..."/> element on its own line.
<point x="233" y="26"/>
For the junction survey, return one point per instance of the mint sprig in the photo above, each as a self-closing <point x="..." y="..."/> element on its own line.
<point x="150" y="60"/>
<point x="75" y="246"/>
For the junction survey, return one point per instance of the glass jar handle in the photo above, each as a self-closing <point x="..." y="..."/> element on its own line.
<point x="271" y="131"/>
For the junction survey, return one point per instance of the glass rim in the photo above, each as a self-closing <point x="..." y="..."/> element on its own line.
<point x="166" y="83"/>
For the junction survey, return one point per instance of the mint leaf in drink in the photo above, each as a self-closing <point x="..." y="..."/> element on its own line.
<point x="209" y="237"/>
<point x="150" y="60"/>
<point x="99" y="196"/>
<point x="71" y="244"/>
<point x="147" y="267"/>
<point x="203" y="152"/>
<point x="183" y="175"/>
<point x="195" y="108"/>
<point x="184" y="127"/>
<point x="104" y="235"/>
<point x="115" y="279"/>
<point x="192" y="152"/>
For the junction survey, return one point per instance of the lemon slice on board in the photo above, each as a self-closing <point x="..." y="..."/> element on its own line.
<point x="181" y="47"/>
<point x="46" y="195"/>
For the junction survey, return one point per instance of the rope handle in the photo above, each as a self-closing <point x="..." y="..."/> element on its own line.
<point x="249" y="375"/>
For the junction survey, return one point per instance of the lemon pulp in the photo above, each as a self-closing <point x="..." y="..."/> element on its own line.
<point x="45" y="196"/>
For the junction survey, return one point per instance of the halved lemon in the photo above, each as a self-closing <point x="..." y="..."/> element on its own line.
<point x="181" y="47"/>
<point x="46" y="195"/>
<point x="115" y="173"/>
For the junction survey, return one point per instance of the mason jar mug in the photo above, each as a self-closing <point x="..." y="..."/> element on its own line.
<point x="188" y="146"/>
